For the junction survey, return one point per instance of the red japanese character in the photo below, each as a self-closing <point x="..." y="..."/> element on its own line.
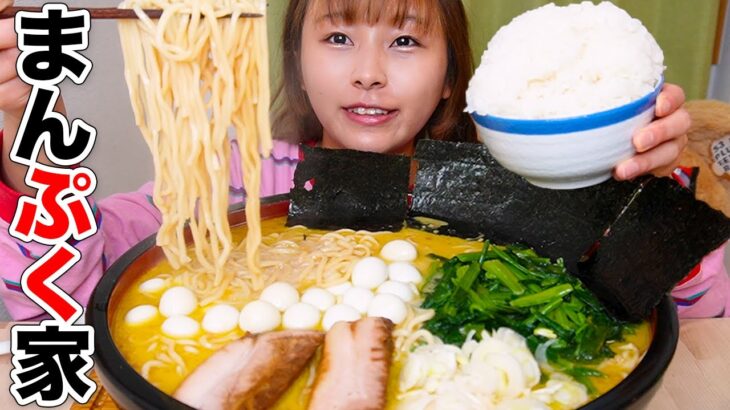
<point x="60" y="208"/>
<point x="37" y="282"/>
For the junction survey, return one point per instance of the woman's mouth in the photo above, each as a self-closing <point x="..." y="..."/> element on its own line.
<point x="368" y="115"/>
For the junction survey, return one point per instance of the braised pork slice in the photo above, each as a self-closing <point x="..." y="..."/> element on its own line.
<point x="250" y="373"/>
<point x="353" y="373"/>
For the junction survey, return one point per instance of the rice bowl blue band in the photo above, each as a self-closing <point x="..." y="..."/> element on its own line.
<point x="569" y="124"/>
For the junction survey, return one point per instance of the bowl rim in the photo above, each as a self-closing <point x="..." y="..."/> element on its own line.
<point x="551" y="126"/>
<point x="113" y="368"/>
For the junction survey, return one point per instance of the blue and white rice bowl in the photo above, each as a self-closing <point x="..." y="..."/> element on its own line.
<point x="567" y="153"/>
<point x="560" y="92"/>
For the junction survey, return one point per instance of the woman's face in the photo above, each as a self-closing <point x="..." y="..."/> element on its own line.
<point x="373" y="87"/>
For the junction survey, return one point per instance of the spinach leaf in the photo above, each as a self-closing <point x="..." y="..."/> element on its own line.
<point x="512" y="286"/>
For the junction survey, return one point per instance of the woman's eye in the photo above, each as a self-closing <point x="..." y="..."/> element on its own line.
<point x="405" y="41"/>
<point x="339" y="39"/>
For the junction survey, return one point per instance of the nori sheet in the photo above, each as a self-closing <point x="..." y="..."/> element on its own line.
<point x="460" y="183"/>
<point x="350" y="189"/>
<point x="643" y="236"/>
<point x="658" y="239"/>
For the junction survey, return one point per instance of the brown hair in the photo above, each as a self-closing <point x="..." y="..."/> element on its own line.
<point x="294" y="117"/>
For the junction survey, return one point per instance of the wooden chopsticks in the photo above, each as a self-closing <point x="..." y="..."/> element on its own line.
<point x="103" y="12"/>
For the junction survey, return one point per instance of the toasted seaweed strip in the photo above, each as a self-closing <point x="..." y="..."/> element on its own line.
<point x="349" y="189"/>
<point x="461" y="184"/>
<point x="659" y="237"/>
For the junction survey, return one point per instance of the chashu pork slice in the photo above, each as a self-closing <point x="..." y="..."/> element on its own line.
<point x="353" y="373"/>
<point x="250" y="373"/>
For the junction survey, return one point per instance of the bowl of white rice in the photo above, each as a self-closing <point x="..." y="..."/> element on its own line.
<point x="561" y="91"/>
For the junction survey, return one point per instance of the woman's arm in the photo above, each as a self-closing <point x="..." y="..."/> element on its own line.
<point x="659" y="144"/>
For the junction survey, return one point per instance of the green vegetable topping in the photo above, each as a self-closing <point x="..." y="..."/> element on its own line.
<point x="511" y="286"/>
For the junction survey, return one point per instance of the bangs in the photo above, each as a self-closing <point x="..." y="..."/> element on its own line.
<point x="423" y="14"/>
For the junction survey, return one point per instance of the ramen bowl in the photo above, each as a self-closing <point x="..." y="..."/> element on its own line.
<point x="566" y="153"/>
<point x="132" y="391"/>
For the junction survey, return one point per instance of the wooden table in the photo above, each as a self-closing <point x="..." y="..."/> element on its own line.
<point x="697" y="378"/>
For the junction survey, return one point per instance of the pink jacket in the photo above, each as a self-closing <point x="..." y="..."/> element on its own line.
<point x="704" y="293"/>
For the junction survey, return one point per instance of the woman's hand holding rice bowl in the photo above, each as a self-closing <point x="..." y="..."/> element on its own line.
<point x="561" y="91"/>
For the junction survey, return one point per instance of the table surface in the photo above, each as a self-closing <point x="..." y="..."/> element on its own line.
<point x="697" y="378"/>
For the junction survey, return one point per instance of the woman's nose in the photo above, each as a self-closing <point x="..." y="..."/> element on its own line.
<point x="369" y="72"/>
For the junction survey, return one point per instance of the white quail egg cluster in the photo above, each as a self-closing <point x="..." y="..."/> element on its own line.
<point x="142" y="314"/>
<point x="379" y="287"/>
<point x="175" y="306"/>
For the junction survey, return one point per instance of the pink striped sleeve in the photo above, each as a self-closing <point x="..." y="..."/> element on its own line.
<point x="123" y="221"/>
<point x="706" y="290"/>
<point x="277" y="171"/>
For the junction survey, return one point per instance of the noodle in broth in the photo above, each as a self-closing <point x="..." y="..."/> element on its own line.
<point x="166" y="361"/>
<point x="205" y="43"/>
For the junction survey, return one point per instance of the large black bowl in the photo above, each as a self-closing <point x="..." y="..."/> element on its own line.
<point x="131" y="391"/>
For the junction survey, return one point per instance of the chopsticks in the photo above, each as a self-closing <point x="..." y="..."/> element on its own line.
<point x="104" y="12"/>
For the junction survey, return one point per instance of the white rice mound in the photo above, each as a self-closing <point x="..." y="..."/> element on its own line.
<point x="555" y="62"/>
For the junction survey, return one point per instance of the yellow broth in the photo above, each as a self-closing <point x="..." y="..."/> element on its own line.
<point x="136" y="342"/>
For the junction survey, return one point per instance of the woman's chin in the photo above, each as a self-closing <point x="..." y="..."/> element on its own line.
<point x="379" y="142"/>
